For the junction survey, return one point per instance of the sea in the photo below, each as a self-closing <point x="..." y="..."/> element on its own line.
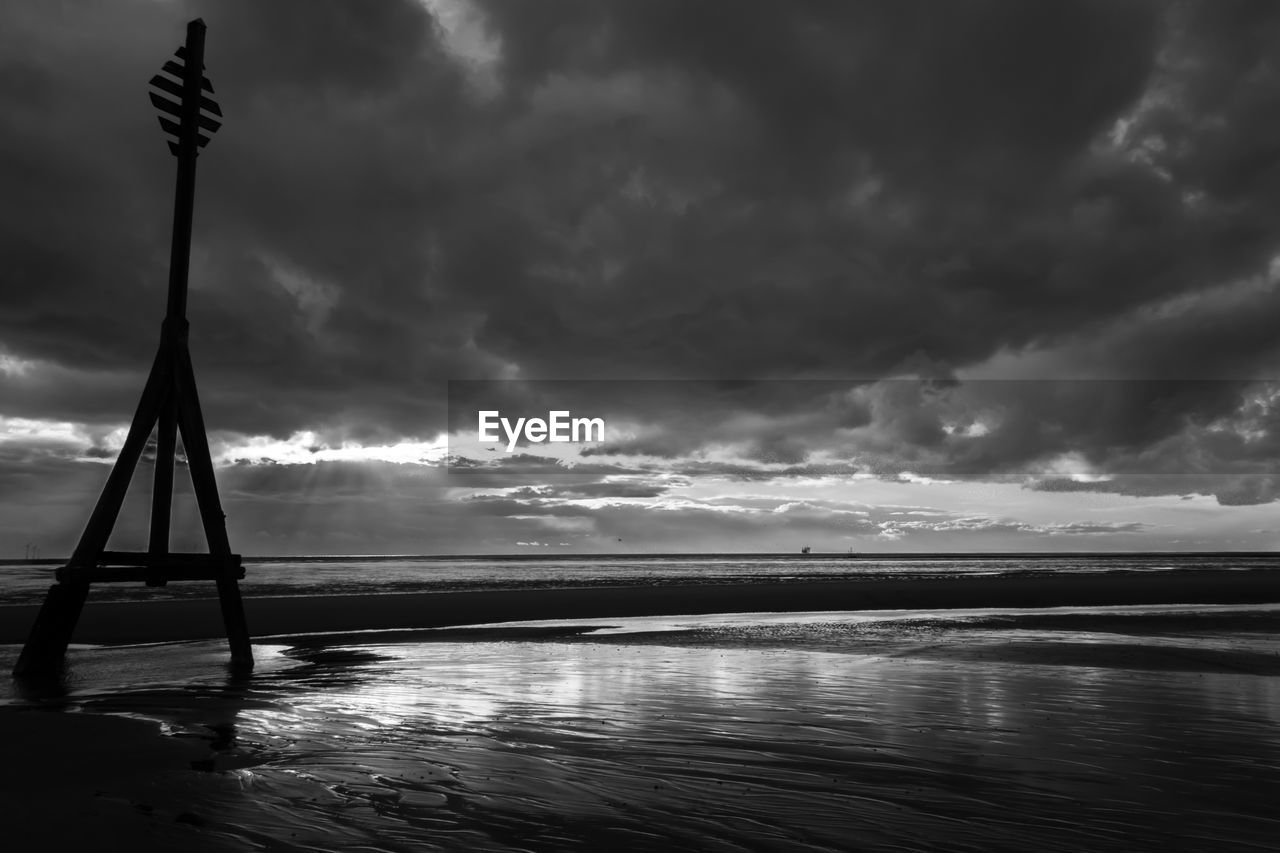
<point x="25" y="581"/>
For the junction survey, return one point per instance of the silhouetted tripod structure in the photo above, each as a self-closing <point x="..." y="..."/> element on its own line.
<point x="169" y="403"/>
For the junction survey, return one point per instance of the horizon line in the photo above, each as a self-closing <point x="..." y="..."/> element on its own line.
<point x="48" y="561"/>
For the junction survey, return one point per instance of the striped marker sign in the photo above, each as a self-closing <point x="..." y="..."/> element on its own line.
<point x="192" y="98"/>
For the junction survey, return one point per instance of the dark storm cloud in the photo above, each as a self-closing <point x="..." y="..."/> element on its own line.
<point x="1134" y="436"/>
<point x="665" y="189"/>
<point x="56" y="392"/>
<point x="889" y="180"/>
<point x="310" y="269"/>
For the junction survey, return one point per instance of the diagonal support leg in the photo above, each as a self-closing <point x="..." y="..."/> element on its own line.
<point x="234" y="621"/>
<point x="194" y="440"/>
<point x="105" y="512"/>
<point x="46" y="645"/>
<point x="162" y="484"/>
<point x="51" y="633"/>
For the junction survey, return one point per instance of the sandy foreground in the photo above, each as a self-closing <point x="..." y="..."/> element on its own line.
<point x="87" y="781"/>
<point x="1067" y="732"/>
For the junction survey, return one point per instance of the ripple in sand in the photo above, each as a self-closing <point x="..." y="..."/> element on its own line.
<point x="560" y="745"/>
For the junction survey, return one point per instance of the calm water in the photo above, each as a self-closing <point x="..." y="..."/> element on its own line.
<point x="829" y="732"/>
<point x="26" y="583"/>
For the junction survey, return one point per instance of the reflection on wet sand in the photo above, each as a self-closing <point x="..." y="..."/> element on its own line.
<point x="622" y="742"/>
<point x="816" y="732"/>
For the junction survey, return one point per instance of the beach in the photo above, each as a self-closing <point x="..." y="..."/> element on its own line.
<point x="191" y="619"/>
<point x="924" y="714"/>
<point x="509" y="427"/>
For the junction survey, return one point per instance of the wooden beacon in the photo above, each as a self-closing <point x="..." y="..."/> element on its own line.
<point x="169" y="400"/>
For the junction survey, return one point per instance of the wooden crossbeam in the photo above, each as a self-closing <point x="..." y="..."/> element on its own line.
<point x="179" y="558"/>
<point x="129" y="574"/>
<point x="154" y="569"/>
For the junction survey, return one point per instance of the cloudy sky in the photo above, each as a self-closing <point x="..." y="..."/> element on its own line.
<point x="899" y="276"/>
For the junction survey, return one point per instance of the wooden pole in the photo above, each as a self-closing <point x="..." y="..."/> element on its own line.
<point x="184" y="196"/>
<point x="174" y="330"/>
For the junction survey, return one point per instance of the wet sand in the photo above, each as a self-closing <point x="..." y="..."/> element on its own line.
<point x="133" y="622"/>
<point x="1146" y="729"/>
<point x="79" y="781"/>
<point x="731" y="736"/>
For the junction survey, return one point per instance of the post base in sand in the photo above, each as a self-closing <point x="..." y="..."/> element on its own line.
<point x="46" y="647"/>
